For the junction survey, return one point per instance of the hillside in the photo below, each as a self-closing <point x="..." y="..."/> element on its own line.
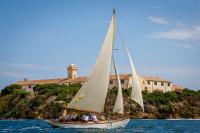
<point x="49" y="100"/>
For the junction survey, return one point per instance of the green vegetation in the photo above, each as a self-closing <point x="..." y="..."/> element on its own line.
<point x="48" y="101"/>
<point x="10" y="89"/>
<point x="172" y="104"/>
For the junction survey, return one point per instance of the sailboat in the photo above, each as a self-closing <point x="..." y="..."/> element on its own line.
<point x="92" y="95"/>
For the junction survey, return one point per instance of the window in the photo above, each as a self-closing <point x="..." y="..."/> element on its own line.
<point x="122" y="81"/>
<point x="155" y="83"/>
<point x="168" y="84"/>
<point x="29" y="86"/>
<point x="111" y="82"/>
<point x="148" y="82"/>
<point x="162" y="84"/>
<point x="145" y="88"/>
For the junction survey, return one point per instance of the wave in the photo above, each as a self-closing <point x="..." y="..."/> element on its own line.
<point x="24" y="128"/>
<point x="28" y="128"/>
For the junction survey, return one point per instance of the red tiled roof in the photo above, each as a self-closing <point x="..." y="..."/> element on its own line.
<point x="122" y="76"/>
<point x="42" y="81"/>
<point x="177" y="87"/>
<point x="149" y="78"/>
<point x="78" y="79"/>
<point x="82" y="79"/>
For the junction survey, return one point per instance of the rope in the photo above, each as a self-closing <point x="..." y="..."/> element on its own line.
<point x="125" y="48"/>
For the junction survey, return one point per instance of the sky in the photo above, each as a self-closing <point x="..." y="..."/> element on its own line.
<point x="40" y="38"/>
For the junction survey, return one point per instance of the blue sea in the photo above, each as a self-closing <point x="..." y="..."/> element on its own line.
<point x="134" y="126"/>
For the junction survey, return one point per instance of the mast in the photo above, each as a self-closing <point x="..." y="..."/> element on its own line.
<point x="114" y="31"/>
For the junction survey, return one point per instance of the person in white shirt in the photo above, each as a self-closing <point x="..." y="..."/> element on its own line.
<point x="94" y="117"/>
<point x="85" y="118"/>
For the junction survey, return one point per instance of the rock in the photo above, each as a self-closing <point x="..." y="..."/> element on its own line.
<point x="50" y="99"/>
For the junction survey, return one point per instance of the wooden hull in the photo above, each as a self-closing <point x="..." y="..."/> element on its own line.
<point x="101" y="124"/>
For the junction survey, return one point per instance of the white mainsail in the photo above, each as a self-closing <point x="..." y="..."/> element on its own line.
<point x="92" y="95"/>
<point x="136" y="93"/>
<point x="118" y="107"/>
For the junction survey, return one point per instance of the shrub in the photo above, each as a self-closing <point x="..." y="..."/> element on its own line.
<point x="41" y="89"/>
<point x="155" y="98"/>
<point x="22" y="93"/>
<point x="54" y="109"/>
<point x="187" y="92"/>
<point x="36" y="101"/>
<point x="10" y="89"/>
<point x="126" y="92"/>
<point x="171" y="96"/>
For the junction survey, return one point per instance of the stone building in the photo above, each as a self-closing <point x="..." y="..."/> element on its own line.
<point x="149" y="84"/>
<point x="72" y="70"/>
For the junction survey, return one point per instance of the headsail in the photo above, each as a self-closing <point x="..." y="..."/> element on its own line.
<point x="136" y="93"/>
<point x="118" y="107"/>
<point x="92" y="95"/>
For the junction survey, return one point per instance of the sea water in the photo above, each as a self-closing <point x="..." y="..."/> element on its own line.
<point x="134" y="126"/>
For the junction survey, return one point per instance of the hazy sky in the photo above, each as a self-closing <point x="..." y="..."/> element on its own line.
<point x="39" y="38"/>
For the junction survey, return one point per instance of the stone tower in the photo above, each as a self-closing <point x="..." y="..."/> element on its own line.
<point x="72" y="71"/>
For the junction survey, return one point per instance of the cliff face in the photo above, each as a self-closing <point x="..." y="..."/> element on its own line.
<point x="49" y="100"/>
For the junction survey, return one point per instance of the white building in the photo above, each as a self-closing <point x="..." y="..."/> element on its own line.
<point x="149" y="84"/>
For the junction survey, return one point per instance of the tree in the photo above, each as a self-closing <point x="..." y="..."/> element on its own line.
<point x="10" y="89"/>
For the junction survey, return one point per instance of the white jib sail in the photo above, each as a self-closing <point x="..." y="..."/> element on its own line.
<point x="136" y="93"/>
<point x="118" y="107"/>
<point x="92" y="95"/>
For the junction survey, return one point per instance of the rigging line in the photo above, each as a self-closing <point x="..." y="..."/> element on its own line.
<point x="125" y="48"/>
<point x="109" y="91"/>
<point x="114" y="65"/>
<point x="116" y="79"/>
<point x="121" y="37"/>
<point x="115" y="53"/>
<point x="120" y="34"/>
<point x="123" y="42"/>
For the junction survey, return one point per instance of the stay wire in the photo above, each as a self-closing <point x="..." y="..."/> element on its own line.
<point x="125" y="48"/>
